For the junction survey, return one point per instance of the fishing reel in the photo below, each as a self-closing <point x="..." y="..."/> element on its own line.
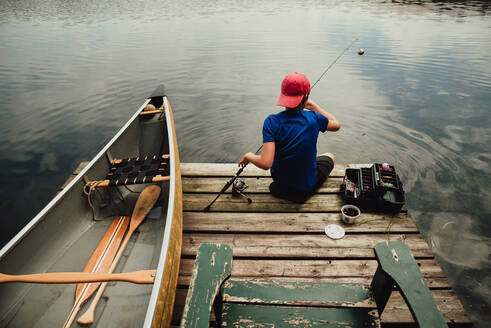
<point x="238" y="188"/>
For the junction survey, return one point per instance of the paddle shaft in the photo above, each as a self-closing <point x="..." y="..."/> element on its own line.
<point x="143" y="205"/>
<point x="136" y="277"/>
<point x="101" y="259"/>
<point x="103" y="255"/>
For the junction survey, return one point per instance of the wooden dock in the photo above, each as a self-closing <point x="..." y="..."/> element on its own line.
<point x="279" y="240"/>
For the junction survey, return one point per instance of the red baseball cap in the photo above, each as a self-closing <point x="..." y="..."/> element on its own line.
<point x="293" y="88"/>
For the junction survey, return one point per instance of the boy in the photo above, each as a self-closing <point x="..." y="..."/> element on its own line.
<point x="290" y="143"/>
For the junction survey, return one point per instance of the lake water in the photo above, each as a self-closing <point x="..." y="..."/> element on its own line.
<point x="72" y="72"/>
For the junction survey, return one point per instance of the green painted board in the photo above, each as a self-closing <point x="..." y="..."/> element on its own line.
<point x="298" y="293"/>
<point x="253" y="315"/>
<point x="213" y="265"/>
<point x="396" y="260"/>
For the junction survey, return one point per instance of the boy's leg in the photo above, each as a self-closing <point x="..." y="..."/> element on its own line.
<point x="325" y="164"/>
<point x="285" y="192"/>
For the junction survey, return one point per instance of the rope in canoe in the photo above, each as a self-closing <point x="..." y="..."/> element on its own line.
<point x="88" y="190"/>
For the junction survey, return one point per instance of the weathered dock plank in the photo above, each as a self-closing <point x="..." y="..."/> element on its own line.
<point x="311" y="269"/>
<point x="229" y="170"/>
<point x="261" y="203"/>
<point x="432" y="282"/>
<point x="220" y="222"/>
<point x="316" y="270"/>
<point x="255" y="185"/>
<point x="397" y="312"/>
<point x="302" y="245"/>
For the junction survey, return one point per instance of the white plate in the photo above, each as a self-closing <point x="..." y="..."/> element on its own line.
<point x="334" y="231"/>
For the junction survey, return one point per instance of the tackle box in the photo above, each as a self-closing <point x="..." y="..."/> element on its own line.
<point x="376" y="188"/>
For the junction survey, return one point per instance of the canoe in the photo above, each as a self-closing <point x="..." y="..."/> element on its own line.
<point x="63" y="236"/>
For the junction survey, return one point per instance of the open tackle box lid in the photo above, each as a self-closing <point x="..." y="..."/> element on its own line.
<point x="377" y="188"/>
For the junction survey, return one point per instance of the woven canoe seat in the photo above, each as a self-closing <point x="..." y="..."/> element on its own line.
<point x="137" y="170"/>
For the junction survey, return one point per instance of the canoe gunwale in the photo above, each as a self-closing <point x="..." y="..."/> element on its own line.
<point x="154" y="297"/>
<point x="38" y="218"/>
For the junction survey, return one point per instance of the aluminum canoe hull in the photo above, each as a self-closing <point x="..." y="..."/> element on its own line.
<point x="63" y="236"/>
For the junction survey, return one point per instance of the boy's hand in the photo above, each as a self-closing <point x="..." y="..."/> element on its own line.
<point x="311" y="105"/>
<point x="245" y="160"/>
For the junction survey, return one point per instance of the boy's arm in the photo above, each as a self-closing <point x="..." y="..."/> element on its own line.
<point x="263" y="161"/>
<point x="333" y="124"/>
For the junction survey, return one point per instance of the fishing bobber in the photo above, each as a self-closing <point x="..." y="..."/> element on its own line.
<point x="361" y="51"/>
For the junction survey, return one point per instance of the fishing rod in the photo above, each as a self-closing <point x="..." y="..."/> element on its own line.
<point x="229" y="183"/>
<point x="334" y="62"/>
<point x="232" y="180"/>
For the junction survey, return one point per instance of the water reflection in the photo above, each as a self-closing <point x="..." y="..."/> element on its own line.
<point x="461" y="250"/>
<point x="73" y="71"/>
<point x="452" y="8"/>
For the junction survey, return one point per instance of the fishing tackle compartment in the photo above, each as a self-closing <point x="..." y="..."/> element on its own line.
<point x="377" y="187"/>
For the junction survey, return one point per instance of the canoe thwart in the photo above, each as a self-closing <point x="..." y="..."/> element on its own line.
<point x="150" y="112"/>
<point x="137" y="170"/>
<point x="157" y="178"/>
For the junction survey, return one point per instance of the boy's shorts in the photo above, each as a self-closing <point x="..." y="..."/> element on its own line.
<point x="325" y="165"/>
<point x="324" y="168"/>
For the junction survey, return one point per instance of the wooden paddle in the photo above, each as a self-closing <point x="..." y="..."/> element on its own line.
<point x="136" y="277"/>
<point x="110" y="247"/>
<point x="143" y="205"/>
<point x="100" y="261"/>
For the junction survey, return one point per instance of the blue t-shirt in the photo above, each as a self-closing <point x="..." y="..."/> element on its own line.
<point x="294" y="133"/>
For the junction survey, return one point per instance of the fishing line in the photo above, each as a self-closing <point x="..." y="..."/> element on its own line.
<point x="334" y="62"/>
<point x="231" y="181"/>
<point x="325" y="71"/>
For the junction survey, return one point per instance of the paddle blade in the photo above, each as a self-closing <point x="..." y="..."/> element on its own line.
<point x="144" y="204"/>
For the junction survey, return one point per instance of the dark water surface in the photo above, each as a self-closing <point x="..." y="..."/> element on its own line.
<point x="72" y="72"/>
